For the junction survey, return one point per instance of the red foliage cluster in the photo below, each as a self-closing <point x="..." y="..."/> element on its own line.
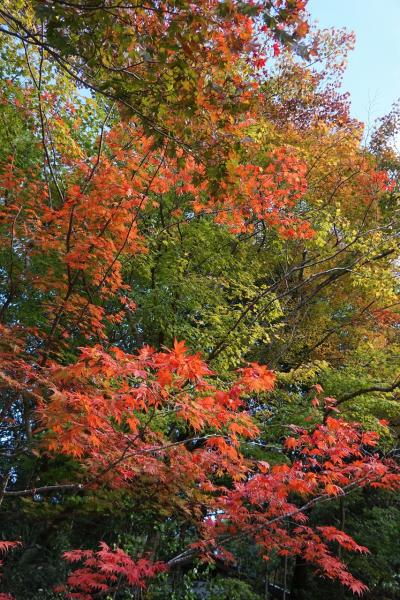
<point x="331" y="460"/>
<point x="104" y="568"/>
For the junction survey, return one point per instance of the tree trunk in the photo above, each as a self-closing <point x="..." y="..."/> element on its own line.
<point x="299" y="589"/>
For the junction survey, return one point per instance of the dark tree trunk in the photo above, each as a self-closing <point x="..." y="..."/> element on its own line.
<point x="299" y="589"/>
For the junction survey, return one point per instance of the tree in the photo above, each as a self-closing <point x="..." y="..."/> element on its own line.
<point x="256" y="229"/>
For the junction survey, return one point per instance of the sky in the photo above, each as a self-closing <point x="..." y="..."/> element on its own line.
<point x="373" y="72"/>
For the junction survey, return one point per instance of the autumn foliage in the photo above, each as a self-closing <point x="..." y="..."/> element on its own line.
<point x="186" y="144"/>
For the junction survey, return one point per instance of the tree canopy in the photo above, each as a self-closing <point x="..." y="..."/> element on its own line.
<point x="199" y="307"/>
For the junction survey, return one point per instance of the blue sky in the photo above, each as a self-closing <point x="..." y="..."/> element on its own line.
<point x="373" y="73"/>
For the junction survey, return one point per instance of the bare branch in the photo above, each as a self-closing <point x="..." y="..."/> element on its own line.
<point x="373" y="389"/>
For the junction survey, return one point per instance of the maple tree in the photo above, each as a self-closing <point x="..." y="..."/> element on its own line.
<point x="156" y="59"/>
<point x="161" y="181"/>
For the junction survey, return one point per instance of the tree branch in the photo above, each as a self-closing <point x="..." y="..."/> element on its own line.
<point x="383" y="389"/>
<point x="47" y="489"/>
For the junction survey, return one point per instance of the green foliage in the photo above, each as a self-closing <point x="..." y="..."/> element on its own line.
<point x="231" y="589"/>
